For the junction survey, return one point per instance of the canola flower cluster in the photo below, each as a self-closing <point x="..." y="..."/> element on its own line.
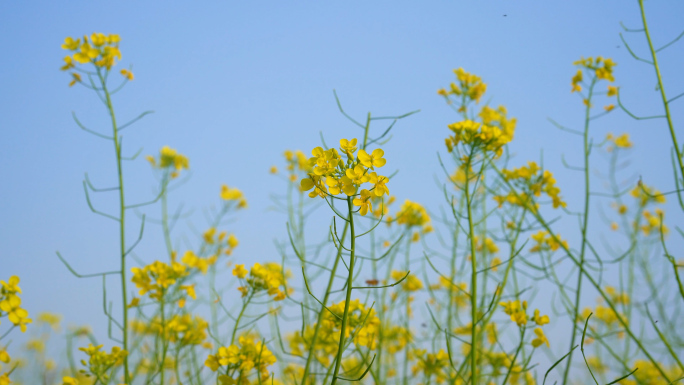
<point x="490" y="135"/>
<point x="602" y="69"/>
<point x="99" y="49"/>
<point x="169" y="158"/>
<point x="10" y="303"/>
<point x="470" y="87"/>
<point x="545" y="241"/>
<point x="10" y="307"/>
<point x="492" y="132"/>
<point x="432" y="365"/>
<point x="518" y="312"/>
<point x="237" y="362"/>
<point x="532" y="183"/>
<point x="99" y="364"/>
<point x="332" y="175"/>
<point x="183" y="329"/>
<point x="268" y="277"/>
<point x="158" y="276"/>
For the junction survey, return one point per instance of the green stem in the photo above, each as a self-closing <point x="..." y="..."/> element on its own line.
<point x="312" y="344"/>
<point x="473" y="279"/>
<point x="165" y="216"/>
<point x="345" y="316"/>
<point x="237" y="321"/>
<point x="585" y="224"/>
<point x="163" y="338"/>
<point x="670" y="125"/>
<point x="122" y="228"/>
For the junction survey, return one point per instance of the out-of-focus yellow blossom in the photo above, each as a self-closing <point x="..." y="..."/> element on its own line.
<point x="69" y="381"/>
<point x="169" y="159"/>
<point x="127" y="74"/>
<point x="100" y="363"/>
<point x="485" y="244"/>
<point x="157" y="277"/>
<point x="648" y="373"/>
<point x="532" y="182"/>
<point x="240" y="271"/>
<point x="618" y="298"/>
<point x="654" y="222"/>
<point x="612" y="91"/>
<point x="541" y="338"/>
<point x="621" y="141"/>
<point x="517" y="311"/>
<point x="50" y="319"/>
<point x="241" y="359"/>
<point x="411" y="283"/>
<point x="540" y="319"/>
<point x="602" y="313"/>
<point x="413" y="214"/>
<point x="432" y="365"/>
<point x="645" y="194"/>
<point x="191" y="260"/>
<point x="76" y="78"/>
<point x="269" y="277"/>
<point x="469" y="86"/>
<point x="545" y="241"/>
<point x="99" y="49"/>
<point x="495" y="131"/>
<point x="35" y="345"/>
<point x="273" y="170"/>
<point x="222" y="243"/>
<point x="576" y="80"/>
<point x="602" y="67"/>
<point x="609" y="107"/>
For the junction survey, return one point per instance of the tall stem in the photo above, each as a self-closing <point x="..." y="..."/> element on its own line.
<point x="585" y="223"/>
<point x="328" y="290"/>
<point x="122" y="221"/>
<point x="473" y="278"/>
<point x="345" y="316"/>
<point x="661" y="87"/>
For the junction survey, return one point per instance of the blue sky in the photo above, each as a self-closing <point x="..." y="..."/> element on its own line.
<point x="234" y="84"/>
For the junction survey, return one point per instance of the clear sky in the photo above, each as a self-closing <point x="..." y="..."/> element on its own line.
<point x="234" y="84"/>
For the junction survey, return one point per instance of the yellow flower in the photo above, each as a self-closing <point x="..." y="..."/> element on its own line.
<point x="348" y="147"/>
<point x="375" y="159"/>
<point x="76" y="79"/>
<point x="69" y="381"/>
<point x="98" y="39"/>
<point x="379" y="184"/>
<point x="240" y="271"/>
<point x="609" y="107"/>
<point x="541" y="338"/>
<point x="127" y="74"/>
<point x="230" y="194"/>
<point x="540" y="320"/>
<point x="364" y="201"/>
<point x="612" y="91"/>
<point x="576" y="80"/>
<point x="71" y="44"/>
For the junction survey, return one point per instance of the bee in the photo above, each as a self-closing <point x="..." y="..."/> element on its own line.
<point x="372" y="282"/>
